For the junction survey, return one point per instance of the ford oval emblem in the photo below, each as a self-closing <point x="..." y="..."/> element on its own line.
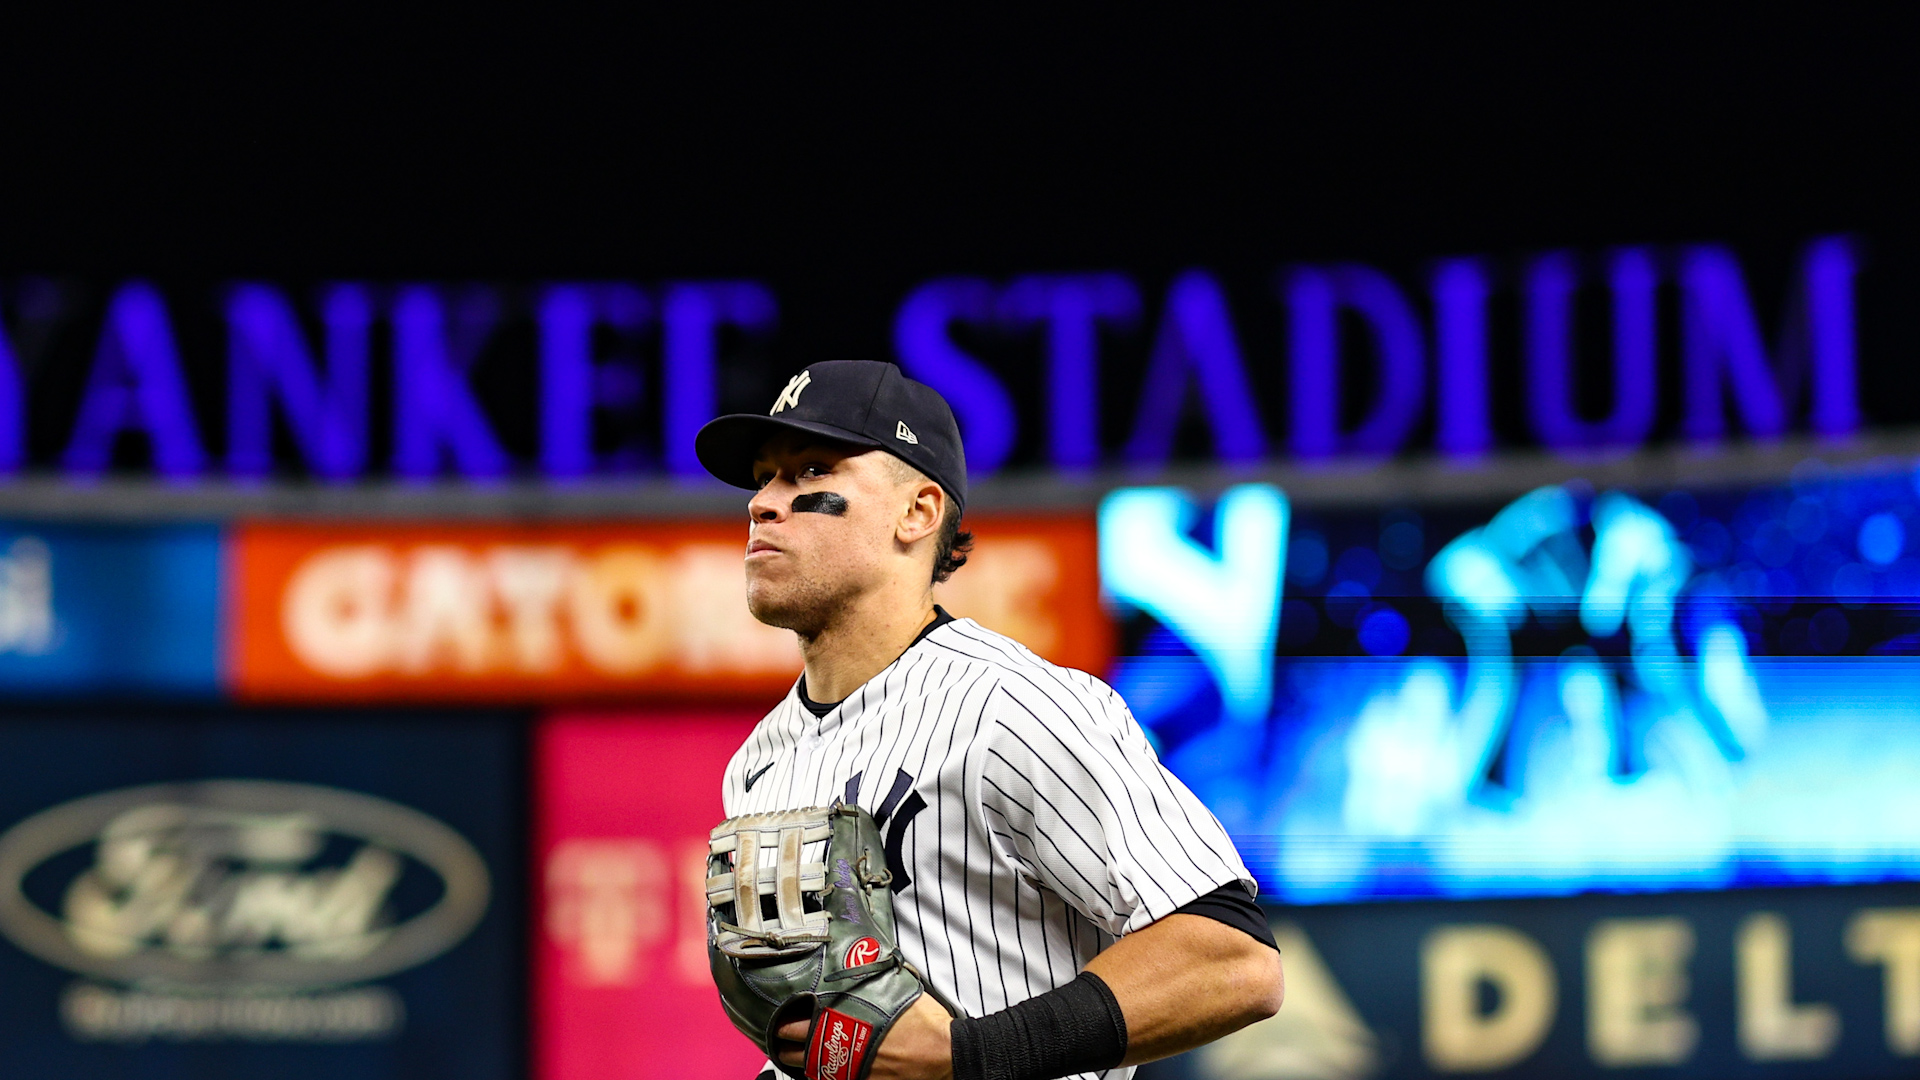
<point x="236" y="883"/>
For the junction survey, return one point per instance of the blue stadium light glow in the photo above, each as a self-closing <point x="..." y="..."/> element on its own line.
<point x="1882" y="539"/>
<point x="1578" y="692"/>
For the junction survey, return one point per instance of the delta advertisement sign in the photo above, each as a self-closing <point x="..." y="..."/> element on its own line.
<point x="566" y="381"/>
<point x="1765" y="983"/>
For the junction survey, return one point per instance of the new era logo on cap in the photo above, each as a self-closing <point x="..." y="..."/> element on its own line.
<point x="905" y="434"/>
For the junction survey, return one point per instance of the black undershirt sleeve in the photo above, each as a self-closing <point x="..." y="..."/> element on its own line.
<point x="1077" y="1027"/>
<point x="1233" y="905"/>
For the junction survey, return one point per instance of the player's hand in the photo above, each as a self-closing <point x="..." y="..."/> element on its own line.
<point x="919" y="1046"/>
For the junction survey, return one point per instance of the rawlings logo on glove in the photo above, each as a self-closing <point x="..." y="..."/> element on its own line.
<point x="839" y="1046"/>
<point x="862" y="952"/>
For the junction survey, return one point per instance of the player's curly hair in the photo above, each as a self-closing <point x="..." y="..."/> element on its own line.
<point x="950" y="551"/>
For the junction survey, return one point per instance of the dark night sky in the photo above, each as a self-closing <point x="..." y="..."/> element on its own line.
<point x="539" y="144"/>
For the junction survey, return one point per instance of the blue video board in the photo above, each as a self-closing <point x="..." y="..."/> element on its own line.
<point x="1576" y="691"/>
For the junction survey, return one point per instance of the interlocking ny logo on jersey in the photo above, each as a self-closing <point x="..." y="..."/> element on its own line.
<point x="896" y="812"/>
<point x="790" y="397"/>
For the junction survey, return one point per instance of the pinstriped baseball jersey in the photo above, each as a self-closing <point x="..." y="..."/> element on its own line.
<point x="1027" y="822"/>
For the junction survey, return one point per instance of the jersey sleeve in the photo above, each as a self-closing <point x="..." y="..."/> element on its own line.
<point x="1073" y="794"/>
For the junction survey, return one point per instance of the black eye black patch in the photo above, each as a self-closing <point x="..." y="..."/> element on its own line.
<point x="820" y="502"/>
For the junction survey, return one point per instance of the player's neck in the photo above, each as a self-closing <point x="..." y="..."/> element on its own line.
<point x="870" y="634"/>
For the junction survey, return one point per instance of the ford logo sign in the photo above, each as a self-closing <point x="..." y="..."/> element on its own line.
<point x="236" y="883"/>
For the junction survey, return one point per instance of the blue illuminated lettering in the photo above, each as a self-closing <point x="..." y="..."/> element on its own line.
<point x="1314" y="299"/>
<point x="692" y="314"/>
<point x="136" y="384"/>
<point x="980" y="403"/>
<point x="433" y="406"/>
<point x="1549" y="350"/>
<point x="570" y="379"/>
<point x="1196" y="345"/>
<point x="267" y="357"/>
<point x="1225" y="606"/>
<point x="1828" y="268"/>
<point x="1073" y="307"/>
<point x="1722" y="345"/>
<point x="13" y="410"/>
<point x="1460" y="289"/>
<point x="298" y="369"/>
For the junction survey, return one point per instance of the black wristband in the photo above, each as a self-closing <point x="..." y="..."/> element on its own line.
<point x="1070" y="1029"/>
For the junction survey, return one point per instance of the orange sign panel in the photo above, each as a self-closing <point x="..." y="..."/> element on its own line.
<point x="458" y="612"/>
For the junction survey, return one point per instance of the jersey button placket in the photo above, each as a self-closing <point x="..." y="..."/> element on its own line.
<point x="809" y="745"/>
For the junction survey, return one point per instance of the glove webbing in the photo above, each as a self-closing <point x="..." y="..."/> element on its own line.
<point x="751" y="933"/>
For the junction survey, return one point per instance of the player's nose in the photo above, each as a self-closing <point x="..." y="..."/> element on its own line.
<point x="771" y="503"/>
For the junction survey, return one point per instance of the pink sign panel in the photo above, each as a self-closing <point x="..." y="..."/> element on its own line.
<point x="623" y="804"/>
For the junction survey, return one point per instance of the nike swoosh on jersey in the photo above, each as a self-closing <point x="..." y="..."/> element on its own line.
<point x="751" y="777"/>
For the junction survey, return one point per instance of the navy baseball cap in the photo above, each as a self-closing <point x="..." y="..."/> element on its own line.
<point x="863" y="402"/>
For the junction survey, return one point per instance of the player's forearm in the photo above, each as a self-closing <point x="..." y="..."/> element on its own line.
<point x="1187" y="980"/>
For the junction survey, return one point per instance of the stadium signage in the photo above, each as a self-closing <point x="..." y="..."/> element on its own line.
<point x="298" y="391"/>
<point x="1733" y="984"/>
<point x="480" y="612"/>
<point x="236" y="885"/>
<point x="85" y="608"/>
<point x="621" y="983"/>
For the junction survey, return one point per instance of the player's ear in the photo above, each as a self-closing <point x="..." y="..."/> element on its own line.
<point x="920" y="518"/>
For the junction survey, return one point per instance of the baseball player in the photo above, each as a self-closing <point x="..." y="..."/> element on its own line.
<point x="1074" y="900"/>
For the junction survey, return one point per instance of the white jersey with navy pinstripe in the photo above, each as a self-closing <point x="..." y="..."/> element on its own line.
<point x="1028" y="822"/>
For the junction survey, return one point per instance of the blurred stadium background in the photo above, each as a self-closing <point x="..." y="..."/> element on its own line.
<point x="1486" y="455"/>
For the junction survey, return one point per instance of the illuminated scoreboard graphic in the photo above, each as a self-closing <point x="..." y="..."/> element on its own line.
<point x="1577" y="691"/>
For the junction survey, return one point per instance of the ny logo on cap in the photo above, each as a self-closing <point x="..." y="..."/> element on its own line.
<point x="790" y="397"/>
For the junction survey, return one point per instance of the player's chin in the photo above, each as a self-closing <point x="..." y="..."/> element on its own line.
<point x="769" y="572"/>
<point x="775" y="603"/>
